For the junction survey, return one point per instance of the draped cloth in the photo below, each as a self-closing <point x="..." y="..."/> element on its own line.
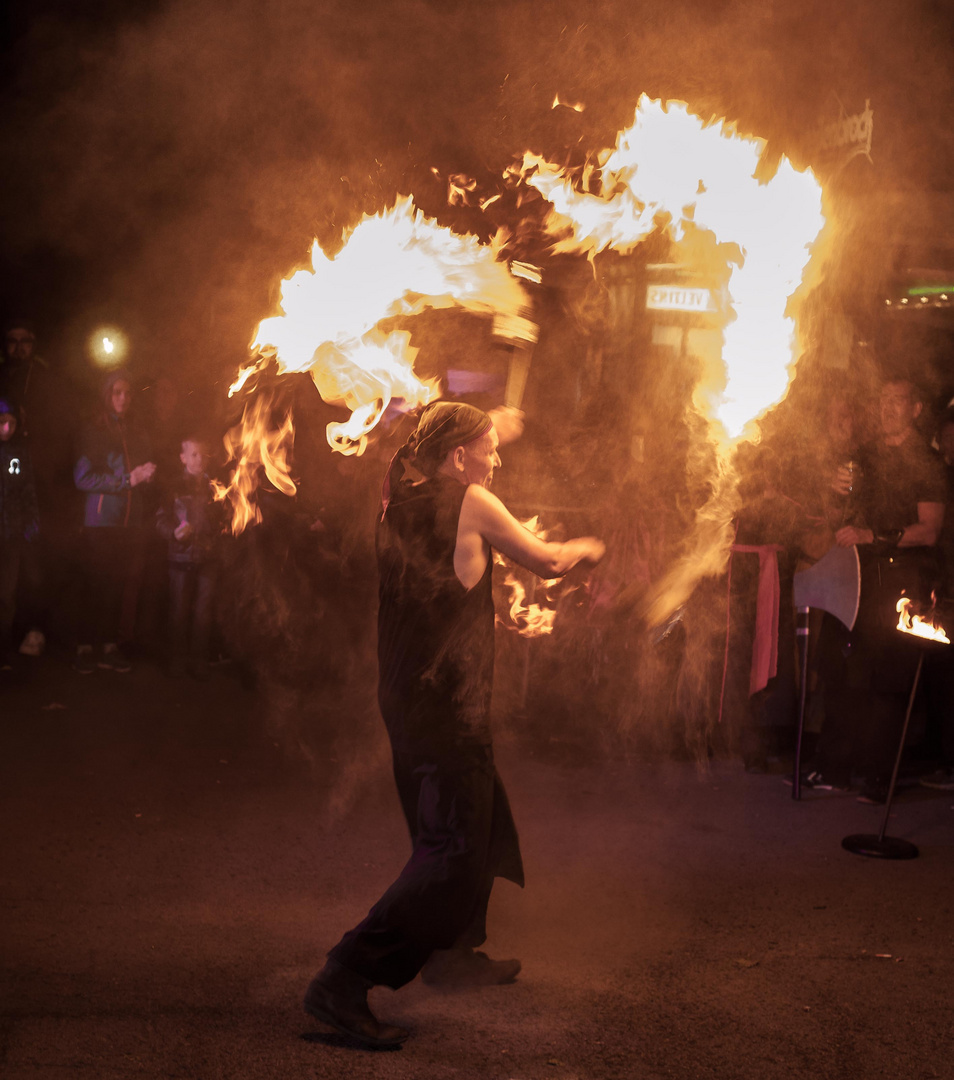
<point x="768" y="601"/>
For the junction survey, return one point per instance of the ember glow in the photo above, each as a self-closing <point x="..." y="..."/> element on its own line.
<point x="395" y="263"/>
<point x="920" y="627"/>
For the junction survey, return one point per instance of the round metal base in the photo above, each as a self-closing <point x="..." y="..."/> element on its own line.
<point x="888" y="848"/>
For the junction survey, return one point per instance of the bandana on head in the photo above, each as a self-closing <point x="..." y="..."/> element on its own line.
<point x="442" y="427"/>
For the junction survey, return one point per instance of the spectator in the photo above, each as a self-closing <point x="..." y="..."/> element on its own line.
<point x="939" y="666"/>
<point x="19" y="519"/>
<point x="113" y="464"/>
<point x="191" y="521"/>
<point x="19" y="358"/>
<point x="899" y="517"/>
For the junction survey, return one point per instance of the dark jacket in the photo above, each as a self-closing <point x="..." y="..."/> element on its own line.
<point x="189" y="499"/>
<point x="109" y="450"/>
<point x="19" y="517"/>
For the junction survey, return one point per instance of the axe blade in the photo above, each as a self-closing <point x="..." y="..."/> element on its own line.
<point x="833" y="584"/>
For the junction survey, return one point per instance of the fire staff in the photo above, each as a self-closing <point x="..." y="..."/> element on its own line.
<point x="439" y="525"/>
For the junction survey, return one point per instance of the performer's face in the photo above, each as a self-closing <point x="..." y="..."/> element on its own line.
<point x="480" y="458"/>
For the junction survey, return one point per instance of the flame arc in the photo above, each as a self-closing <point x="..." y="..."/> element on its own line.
<point x="672" y="166"/>
<point x="395" y="263"/>
<point x="671" y="169"/>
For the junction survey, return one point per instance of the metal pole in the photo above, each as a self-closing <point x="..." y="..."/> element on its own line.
<point x="802" y="633"/>
<point x="897" y="760"/>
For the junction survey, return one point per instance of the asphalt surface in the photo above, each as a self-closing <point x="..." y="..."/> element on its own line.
<point x="172" y="878"/>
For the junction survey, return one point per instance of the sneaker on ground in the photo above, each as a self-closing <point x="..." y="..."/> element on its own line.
<point x="940" y="780"/>
<point x="113" y="659"/>
<point x="816" y="781"/>
<point x="83" y="661"/>
<point x="33" y="644"/>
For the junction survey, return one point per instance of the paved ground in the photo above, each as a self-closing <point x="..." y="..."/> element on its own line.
<point x="170" y="883"/>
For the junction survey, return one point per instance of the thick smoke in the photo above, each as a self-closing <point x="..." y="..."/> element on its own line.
<point x="180" y="163"/>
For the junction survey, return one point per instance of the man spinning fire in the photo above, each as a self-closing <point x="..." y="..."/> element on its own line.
<point x="435" y="654"/>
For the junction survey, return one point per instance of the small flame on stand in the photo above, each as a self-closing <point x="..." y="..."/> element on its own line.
<point x="396" y="263"/>
<point x="926" y="628"/>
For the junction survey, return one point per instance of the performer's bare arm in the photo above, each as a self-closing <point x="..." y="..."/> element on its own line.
<point x="925" y="531"/>
<point x="486" y="523"/>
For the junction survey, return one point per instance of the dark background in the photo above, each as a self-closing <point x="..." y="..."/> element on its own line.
<point x="167" y="163"/>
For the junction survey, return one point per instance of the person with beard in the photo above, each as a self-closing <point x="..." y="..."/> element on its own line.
<point x="900" y="515"/>
<point x="439" y="527"/>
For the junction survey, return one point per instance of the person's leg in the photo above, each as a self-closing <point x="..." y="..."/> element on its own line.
<point x="205" y="577"/>
<point x="116" y="549"/>
<point x="179" y="597"/>
<point x="436" y="896"/>
<point x="31" y="590"/>
<point x="9" y="573"/>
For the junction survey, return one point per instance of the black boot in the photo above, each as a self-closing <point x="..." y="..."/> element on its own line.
<point x="339" y="998"/>
<point x="459" y="968"/>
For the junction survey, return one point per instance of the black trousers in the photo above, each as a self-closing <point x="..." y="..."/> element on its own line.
<point x="191" y="594"/>
<point x="108" y="553"/>
<point x="462" y="835"/>
<point x="10" y="558"/>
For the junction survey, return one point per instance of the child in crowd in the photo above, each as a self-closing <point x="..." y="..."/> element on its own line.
<point x="19" y="520"/>
<point x="191" y="521"/>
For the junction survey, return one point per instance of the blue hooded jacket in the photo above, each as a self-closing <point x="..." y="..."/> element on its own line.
<point x="110" y="449"/>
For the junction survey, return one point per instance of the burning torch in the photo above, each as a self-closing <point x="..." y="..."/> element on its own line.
<point x="928" y="634"/>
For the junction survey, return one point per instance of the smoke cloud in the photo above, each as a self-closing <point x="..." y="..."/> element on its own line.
<point x="171" y="166"/>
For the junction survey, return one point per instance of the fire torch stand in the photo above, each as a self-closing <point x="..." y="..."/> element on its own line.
<point x="881" y="846"/>
<point x="801" y="633"/>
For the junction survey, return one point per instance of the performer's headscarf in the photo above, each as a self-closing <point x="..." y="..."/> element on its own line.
<point x="442" y="427"/>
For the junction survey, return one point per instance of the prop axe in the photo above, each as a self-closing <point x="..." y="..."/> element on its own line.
<point x="833" y="584"/>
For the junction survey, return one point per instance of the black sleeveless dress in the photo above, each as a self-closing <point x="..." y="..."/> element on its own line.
<point x="436" y="656"/>
<point x="435" y="637"/>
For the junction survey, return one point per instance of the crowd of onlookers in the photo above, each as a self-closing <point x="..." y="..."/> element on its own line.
<point x="110" y="537"/>
<point x="107" y="524"/>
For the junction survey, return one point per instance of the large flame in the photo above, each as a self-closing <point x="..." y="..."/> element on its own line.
<point x="671" y="162"/>
<point x="672" y="169"/>
<point x="395" y="263"/>
<point x="528" y="616"/>
<point x="256" y="446"/>
<point x="927" y="628"/>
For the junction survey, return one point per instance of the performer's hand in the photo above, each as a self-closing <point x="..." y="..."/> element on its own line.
<point x="183" y="531"/>
<point x="593" y="551"/>
<point x="849" y="536"/>
<point x="508" y="423"/>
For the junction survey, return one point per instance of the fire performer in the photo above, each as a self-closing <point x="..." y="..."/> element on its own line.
<point x="436" y="654"/>
<point x="900" y="515"/>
